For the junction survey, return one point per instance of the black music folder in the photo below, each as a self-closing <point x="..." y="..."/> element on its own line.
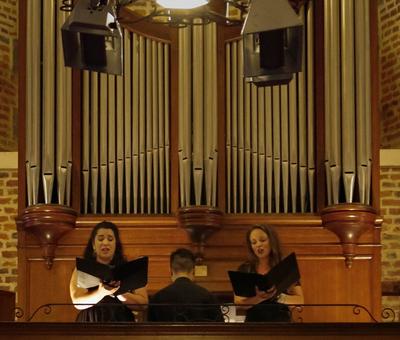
<point x="132" y="274"/>
<point x="282" y="276"/>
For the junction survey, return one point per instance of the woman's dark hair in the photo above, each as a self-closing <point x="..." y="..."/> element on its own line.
<point x="118" y="257"/>
<point x="275" y="255"/>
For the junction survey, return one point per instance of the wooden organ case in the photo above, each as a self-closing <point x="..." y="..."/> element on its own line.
<point x="181" y="137"/>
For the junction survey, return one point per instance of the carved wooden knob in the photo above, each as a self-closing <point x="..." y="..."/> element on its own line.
<point x="48" y="222"/>
<point x="349" y="221"/>
<point x="200" y="222"/>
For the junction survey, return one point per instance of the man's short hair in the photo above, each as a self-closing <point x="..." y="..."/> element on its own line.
<point x="182" y="261"/>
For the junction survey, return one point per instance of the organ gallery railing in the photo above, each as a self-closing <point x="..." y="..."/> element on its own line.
<point x="230" y="312"/>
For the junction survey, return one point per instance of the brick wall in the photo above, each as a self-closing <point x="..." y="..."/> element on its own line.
<point x="8" y="75"/>
<point x="8" y="142"/>
<point x="8" y="232"/>
<point x="389" y="15"/>
<point x="390" y="210"/>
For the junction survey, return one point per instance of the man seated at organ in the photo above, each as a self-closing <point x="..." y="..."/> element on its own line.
<point x="183" y="300"/>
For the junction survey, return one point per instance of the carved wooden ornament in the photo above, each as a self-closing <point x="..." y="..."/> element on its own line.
<point x="48" y="222"/>
<point x="200" y="222"/>
<point x="349" y="221"/>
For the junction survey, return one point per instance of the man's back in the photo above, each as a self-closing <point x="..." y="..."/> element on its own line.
<point x="192" y="299"/>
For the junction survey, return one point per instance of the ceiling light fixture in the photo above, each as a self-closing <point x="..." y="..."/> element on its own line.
<point x="181" y="4"/>
<point x="175" y="13"/>
<point x="182" y="13"/>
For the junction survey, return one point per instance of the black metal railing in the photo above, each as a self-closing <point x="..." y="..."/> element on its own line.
<point x="228" y="313"/>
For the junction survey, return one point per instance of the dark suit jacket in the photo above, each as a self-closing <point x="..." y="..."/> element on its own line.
<point x="186" y="302"/>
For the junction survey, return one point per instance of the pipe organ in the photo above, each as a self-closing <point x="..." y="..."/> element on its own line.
<point x="48" y="101"/>
<point x="270" y="147"/>
<point x="198" y="123"/>
<point x="180" y="136"/>
<point x="125" y="124"/>
<point x="347" y="101"/>
<point x="270" y="131"/>
<point x="125" y="158"/>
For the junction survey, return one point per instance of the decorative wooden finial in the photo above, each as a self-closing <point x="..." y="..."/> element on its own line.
<point x="48" y="222"/>
<point x="200" y="222"/>
<point x="349" y="221"/>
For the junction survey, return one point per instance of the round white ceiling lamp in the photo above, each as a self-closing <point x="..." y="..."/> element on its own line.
<point x="181" y="4"/>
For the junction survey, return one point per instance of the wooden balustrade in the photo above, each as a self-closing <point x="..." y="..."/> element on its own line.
<point x="205" y="331"/>
<point x="7" y="306"/>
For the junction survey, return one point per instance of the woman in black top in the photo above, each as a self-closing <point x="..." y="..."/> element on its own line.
<point x="105" y="247"/>
<point x="264" y="253"/>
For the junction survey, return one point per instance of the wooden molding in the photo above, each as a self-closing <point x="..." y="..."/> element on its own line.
<point x="206" y="331"/>
<point x="48" y="222"/>
<point x="349" y="221"/>
<point x="7" y="306"/>
<point x="22" y="58"/>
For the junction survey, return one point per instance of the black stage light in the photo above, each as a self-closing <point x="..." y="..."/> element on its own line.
<point x="272" y="40"/>
<point x="92" y="37"/>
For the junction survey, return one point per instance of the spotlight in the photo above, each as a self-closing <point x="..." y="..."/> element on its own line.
<point x="92" y="37"/>
<point x="272" y="40"/>
<point x="182" y="4"/>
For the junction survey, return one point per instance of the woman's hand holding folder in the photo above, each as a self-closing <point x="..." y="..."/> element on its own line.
<point x="265" y="295"/>
<point x="108" y="288"/>
<point x="261" y="295"/>
<point x="111" y="284"/>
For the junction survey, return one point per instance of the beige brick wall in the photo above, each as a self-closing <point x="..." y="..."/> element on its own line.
<point x="8" y="75"/>
<point x="8" y="142"/>
<point x="389" y="15"/>
<point x="390" y="209"/>
<point x="8" y="231"/>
